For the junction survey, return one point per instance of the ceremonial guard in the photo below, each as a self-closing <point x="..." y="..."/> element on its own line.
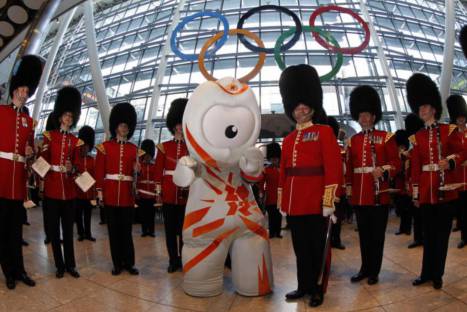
<point x="172" y="197"/>
<point x="61" y="151"/>
<point x="308" y="180"/>
<point x="116" y="168"/>
<point x="16" y="144"/>
<point x="85" y="163"/>
<point x="268" y="187"/>
<point x="146" y="189"/>
<point x="372" y="159"/>
<point x="458" y="115"/>
<point x="436" y="154"/>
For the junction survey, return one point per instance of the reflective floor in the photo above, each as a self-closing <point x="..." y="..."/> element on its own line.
<point x="155" y="290"/>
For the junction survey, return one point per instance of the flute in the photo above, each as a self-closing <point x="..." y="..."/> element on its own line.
<point x="441" y="172"/>
<point x="373" y="156"/>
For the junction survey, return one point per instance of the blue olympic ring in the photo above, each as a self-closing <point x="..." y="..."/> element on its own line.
<point x="186" y="20"/>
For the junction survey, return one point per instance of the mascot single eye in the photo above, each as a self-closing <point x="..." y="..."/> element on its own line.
<point x="225" y="126"/>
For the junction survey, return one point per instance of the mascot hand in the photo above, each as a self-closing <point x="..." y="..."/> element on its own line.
<point x="252" y="161"/>
<point x="184" y="174"/>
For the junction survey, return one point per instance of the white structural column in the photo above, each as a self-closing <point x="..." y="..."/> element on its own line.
<point x="384" y="64"/>
<point x="150" y="134"/>
<point x="97" y="79"/>
<point x="64" y="23"/>
<point x="448" y="55"/>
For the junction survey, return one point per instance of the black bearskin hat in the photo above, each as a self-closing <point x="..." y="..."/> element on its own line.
<point x="421" y="90"/>
<point x="149" y="147"/>
<point x="52" y="122"/>
<point x="68" y="100"/>
<point x="273" y="150"/>
<point x="402" y="138"/>
<point x="122" y="113"/>
<point x="413" y="123"/>
<point x="320" y="117"/>
<point x="463" y="39"/>
<point x="334" y="124"/>
<point x="300" y="84"/>
<point x="456" y="107"/>
<point x="365" y="99"/>
<point x="87" y="135"/>
<point x="175" y="114"/>
<point x="27" y="73"/>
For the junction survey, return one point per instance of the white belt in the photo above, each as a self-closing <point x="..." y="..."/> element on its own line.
<point x="430" y="167"/>
<point x="147" y="182"/>
<point x="56" y="168"/>
<point x="12" y="156"/>
<point x="169" y="172"/>
<point x="118" y="177"/>
<point x="363" y="170"/>
<point x="146" y="192"/>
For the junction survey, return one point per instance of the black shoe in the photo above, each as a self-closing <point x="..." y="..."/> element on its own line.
<point x="80" y="238"/>
<point x="316" y="300"/>
<point x="419" y="281"/>
<point x="414" y="244"/>
<point x="26" y="280"/>
<point x="10" y="283"/>
<point x="172" y="268"/>
<point x="46" y="241"/>
<point x="461" y="244"/>
<point x="116" y="271"/>
<point x="399" y="232"/>
<point x="101" y="223"/>
<point x="60" y="273"/>
<point x="296" y="294"/>
<point x="372" y="280"/>
<point x="144" y="235"/>
<point x="407" y="233"/>
<point x="437" y="284"/>
<point x="24" y="243"/>
<point x="26" y="223"/>
<point x="338" y="246"/>
<point x="73" y="273"/>
<point x="358" y="277"/>
<point x="152" y="234"/>
<point x="279" y="236"/>
<point x="90" y="238"/>
<point x="456" y="229"/>
<point x="133" y="271"/>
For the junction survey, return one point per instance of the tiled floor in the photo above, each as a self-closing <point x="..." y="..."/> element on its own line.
<point x="155" y="290"/>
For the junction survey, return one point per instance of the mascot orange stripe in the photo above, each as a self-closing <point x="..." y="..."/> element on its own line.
<point x="255" y="228"/>
<point x="209" y="227"/>
<point x="208" y="250"/>
<point x="200" y="151"/>
<point x="195" y="217"/>
<point x="264" y="287"/>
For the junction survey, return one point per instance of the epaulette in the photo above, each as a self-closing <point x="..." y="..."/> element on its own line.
<point x="141" y="152"/>
<point x="160" y="147"/>
<point x="100" y="148"/>
<point x="80" y="142"/>
<point x="47" y="135"/>
<point x="412" y="139"/>
<point x="452" y="128"/>
<point x="389" y="135"/>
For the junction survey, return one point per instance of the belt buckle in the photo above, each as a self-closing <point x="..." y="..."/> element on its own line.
<point x="120" y="177"/>
<point x="62" y="168"/>
<point x="15" y="157"/>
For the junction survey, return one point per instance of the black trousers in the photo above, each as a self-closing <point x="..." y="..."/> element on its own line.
<point x="147" y="213"/>
<point x="416" y="213"/>
<point x="45" y="219"/>
<point x="308" y="235"/>
<point x="102" y="216"/>
<point x="11" y="237"/>
<point x="403" y="204"/>
<point x="340" y="213"/>
<point x="461" y="205"/>
<point x="173" y="226"/>
<point x="61" y="212"/>
<point x="371" y="222"/>
<point x="437" y="225"/>
<point x="83" y="217"/>
<point x="275" y="220"/>
<point x="120" y="223"/>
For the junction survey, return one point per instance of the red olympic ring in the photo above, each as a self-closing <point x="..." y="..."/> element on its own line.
<point x="328" y="46"/>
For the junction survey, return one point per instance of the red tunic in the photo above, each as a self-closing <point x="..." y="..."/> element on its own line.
<point x="115" y="172"/>
<point x="146" y="186"/>
<point x="168" y="154"/>
<point x="86" y="164"/>
<point x="309" y="177"/>
<point x="426" y="177"/>
<point x="270" y="184"/>
<point x="17" y="132"/>
<point x="359" y="166"/>
<point x="59" y="147"/>
<point x="462" y="169"/>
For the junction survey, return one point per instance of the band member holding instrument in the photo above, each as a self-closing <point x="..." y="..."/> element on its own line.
<point x="146" y="189"/>
<point x="308" y="180"/>
<point x="372" y="159"/>
<point x="437" y="152"/>
<point x="16" y="144"/>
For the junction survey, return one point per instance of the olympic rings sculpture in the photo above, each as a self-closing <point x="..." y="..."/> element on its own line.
<point x="323" y="38"/>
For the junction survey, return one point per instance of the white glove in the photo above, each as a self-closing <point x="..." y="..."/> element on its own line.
<point x="252" y="161"/>
<point x="327" y="211"/>
<point x="184" y="173"/>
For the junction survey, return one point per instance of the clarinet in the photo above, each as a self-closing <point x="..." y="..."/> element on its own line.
<point x="135" y="175"/>
<point x="373" y="157"/>
<point x="441" y="172"/>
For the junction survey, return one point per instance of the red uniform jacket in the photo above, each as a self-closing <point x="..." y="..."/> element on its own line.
<point x="114" y="172"/>
<point x="59" y="147"/>
<point x="86" y="164"/>
<point x="462" y="169"/>
<point x="17" y="132"/>
<point x="401" y="177"/>
<point x="359" y="166"/>
<point x="309" y="173"/>
<point x="426" y="177"/>
<point x="167" y="157"/>
<point x="269" y="185"/>
<point x="146" y="185"/>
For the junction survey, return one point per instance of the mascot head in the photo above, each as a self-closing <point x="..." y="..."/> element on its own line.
<point x="221" y="120"/>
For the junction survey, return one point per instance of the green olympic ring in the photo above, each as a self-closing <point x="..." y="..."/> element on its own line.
<point x="326" y="35"/>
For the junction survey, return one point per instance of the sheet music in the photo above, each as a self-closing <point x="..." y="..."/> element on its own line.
<point x="85" y="181"/>
<point x="41" y="167"/>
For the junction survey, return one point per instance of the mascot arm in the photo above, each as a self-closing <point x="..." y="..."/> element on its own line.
<point x="251" y="164"/>
<point x="184" y="174"/>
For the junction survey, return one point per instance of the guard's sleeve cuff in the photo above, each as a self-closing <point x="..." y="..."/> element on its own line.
<point x="329" y="196"/>
<point x="415" y="191"/>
